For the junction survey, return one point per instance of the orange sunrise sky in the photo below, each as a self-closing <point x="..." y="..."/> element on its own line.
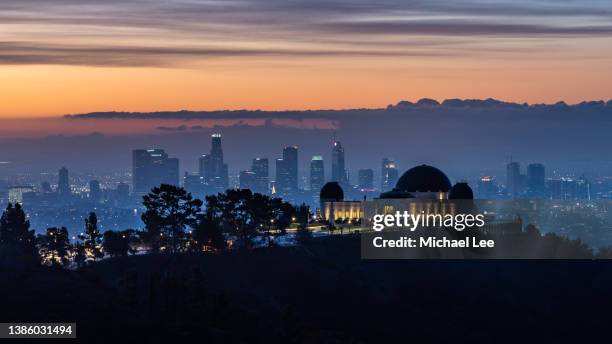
<point x="63" y="56"/>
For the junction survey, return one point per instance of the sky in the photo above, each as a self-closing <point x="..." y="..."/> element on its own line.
<point x="66" y="56"/>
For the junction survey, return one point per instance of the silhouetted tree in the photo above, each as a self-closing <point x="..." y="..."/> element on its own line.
<point x="79" y="255"/>
<point x="16" y="238"/>
<point x="303" y="214"/>
<point x="118" y="243"/>
<point x="92" y="239"/>
<point x="302" y="217"/>
<point x="233" y="211"/>
<point x="207" y="235"/>
<point x="284" y="213"/>
<point x="170" y="210"/>
<point x="54" y="246"/>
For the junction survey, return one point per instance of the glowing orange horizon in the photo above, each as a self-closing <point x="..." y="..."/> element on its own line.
<point x="42" y="91"/>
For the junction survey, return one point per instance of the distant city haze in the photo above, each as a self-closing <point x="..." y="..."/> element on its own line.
<point x="467" y="138"/>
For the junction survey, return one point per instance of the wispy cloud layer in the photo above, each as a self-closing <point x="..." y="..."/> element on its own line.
<point x="170" y="33"/>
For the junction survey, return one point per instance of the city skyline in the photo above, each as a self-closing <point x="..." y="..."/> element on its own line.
<point x="221" y="171"/>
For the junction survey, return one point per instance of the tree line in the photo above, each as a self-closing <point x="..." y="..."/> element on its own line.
<point x="174" y="222"/>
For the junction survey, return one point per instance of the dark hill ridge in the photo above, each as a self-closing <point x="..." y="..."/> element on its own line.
<point x="323" y="293"/>
<point x="424" y="104"/>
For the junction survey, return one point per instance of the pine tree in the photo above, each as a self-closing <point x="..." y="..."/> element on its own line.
<point x="16" y="237"/>
<point x="54" y="246"/>
<point x="170" y="210"/>
<point x="92" y="239"/>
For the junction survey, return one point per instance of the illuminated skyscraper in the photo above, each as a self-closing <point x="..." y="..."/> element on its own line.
<point x="513" y="179"/>
<point x="262" y="175"/>
<point x="63" y="183"/>
<point x="317" y="173"/>
<point x="248" y="180"/>
<point x="536" y="180"/>
<point x="194" y="184"/>
<point x="487" y="189"/>
<point x="338" y="169"/>
<point x="212" y="167"/>
<point x="153" y="167"/>
<point x="389" y="174"/>
<point x="287" y="171"/>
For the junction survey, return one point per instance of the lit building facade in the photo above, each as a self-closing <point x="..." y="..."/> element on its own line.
<point x="212" y="166"/>
<point x="338" y="168"/>
<point x="153" y="167"/>
<point x="389" y="174"/>
<point x="16" y="193"/>
<point x="317" y="173"/>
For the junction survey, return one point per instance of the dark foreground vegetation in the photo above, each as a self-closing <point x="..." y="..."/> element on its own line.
<point x="319" y="292"/>
<point x="196" y="276"/>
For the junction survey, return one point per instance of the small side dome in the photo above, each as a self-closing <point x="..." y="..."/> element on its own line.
<point x="461" y="191"/>
<point x="332" y="191"/>
<point x="423" y="178"/>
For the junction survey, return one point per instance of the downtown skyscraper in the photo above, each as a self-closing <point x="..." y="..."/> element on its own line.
<point x="536" y="180"/>
<point x="212" y="167"/>
<point x="260" y="167"/>
<point x="317" y="173"/>
<point x="287" y="171"/>
<point x="152" y="167"/>
<point x="338" y="169"/>
<point x="389" y="175"/>
<point x="513" y="179"/>
<point x="256" y="179"/>
<point x="63" y="183"/>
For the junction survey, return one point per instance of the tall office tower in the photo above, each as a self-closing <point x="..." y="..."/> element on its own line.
<point x="487" y="189"/>
<point x="194" y="184"/>
<point x="63" y="183"/>
<point x="317" y="174"/>
<point x="262" y="175"/>
<point x="513" y="179"/>
<point x="389" y="174"/>
<point x="287" y="171"/>
<point x="212" y="167"/>
<point x="281" y="184"/>
<point x="203" y="163"/>
<point x="95" y="193"/>
<point x="247" y="180"/>
<point x="536" y="180"/>
<point x="290" y="159"/>
<point x="338" y="169"/>
<point x="366" y="179"/>
<point x="153" y="167"/>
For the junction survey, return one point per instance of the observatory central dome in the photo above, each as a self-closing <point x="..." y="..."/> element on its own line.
<point x="332" y="191"/>
<point x="423" y="178"/>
